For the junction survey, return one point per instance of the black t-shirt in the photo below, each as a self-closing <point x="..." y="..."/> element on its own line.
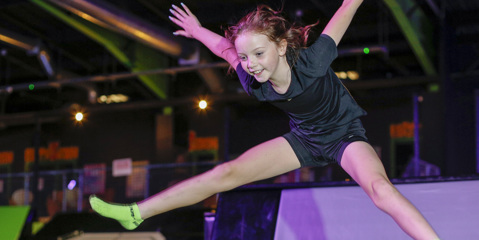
<point x="318" y="104"/>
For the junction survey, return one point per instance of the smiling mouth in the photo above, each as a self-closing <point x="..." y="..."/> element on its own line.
<point x="256" y="73"/>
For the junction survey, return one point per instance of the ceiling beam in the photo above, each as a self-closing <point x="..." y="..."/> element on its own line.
<point x="434" y="8"/>
<point x="52" y="43"/>
<point x="139" y="30"/>
<point x="31" y="47"/>
<point x="112" y="77"/>
<point x="135" y="56"/>
<point x="417" y="29"/>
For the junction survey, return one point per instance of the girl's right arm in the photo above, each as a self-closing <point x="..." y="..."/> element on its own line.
<point x="341" y="20"/>
<point x="192" y="28"/>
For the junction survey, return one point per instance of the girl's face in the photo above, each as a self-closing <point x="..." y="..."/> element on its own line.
<point x="259" y="56"/>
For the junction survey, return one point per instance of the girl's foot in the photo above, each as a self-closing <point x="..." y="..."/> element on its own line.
<point x="128" y="215"/>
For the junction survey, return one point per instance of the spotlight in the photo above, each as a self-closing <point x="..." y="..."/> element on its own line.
<point x="202" y="104"/>
<point x="79" y="116"/>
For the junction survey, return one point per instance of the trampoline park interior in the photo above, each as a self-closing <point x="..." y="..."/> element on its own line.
<point x="99" y="97"/>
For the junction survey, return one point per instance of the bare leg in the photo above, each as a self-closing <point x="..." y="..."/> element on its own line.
<point x="266" y="160"/>
<point x="363" y="165"/>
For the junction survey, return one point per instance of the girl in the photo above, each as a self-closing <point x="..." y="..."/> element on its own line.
<point x="273" y="65"/>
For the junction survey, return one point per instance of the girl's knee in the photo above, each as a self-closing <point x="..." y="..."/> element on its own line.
<point x="223" y="170"/>
<point x="223" y="174"/>
<point x="382" y="191"/>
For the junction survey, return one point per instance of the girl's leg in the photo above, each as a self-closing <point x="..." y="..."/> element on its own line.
<point x="361" y="162"/>
<point x="266" y="160"/>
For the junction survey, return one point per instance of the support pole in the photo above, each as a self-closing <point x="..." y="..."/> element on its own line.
<point x="34" y="185"/>
<point x="416" y="135"/>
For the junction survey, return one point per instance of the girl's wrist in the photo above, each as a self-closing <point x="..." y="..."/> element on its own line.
<point x="196" y="31"/>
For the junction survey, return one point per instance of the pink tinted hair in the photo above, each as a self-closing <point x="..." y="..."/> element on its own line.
<point x="265" y="20"/>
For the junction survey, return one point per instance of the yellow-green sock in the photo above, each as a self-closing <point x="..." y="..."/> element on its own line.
<point x="128" y="215"/>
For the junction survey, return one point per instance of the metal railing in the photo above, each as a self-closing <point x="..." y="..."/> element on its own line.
<point x="67" y="190"/>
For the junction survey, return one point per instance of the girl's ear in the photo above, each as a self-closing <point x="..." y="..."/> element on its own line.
<point x="283" y="45"/>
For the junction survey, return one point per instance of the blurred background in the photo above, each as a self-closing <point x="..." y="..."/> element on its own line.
<point x="98" y="96"/>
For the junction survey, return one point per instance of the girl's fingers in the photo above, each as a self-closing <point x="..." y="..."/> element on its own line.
<point x="186" y="9"/>
<point x="176" y="21"/>
<point x="179" y="11"/>
<point x="173" y="19"/>
<point x="181" y="33"/>
<point x="181" y="18"/>
<point x="176" y="14"/>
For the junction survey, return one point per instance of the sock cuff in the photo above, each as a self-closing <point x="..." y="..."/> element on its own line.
<point x="135" y="212"/>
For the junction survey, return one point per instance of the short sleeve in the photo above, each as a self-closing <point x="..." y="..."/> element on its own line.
<point x="316" y="60"/>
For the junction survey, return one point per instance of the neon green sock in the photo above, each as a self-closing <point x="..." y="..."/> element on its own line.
<point x="127" y="214"/>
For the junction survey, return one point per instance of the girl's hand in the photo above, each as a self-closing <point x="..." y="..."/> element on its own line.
<point x="185" y="19"/>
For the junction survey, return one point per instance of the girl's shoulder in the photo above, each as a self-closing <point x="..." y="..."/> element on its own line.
<point x="324" y="42"/>
<point x="317" y="58"/>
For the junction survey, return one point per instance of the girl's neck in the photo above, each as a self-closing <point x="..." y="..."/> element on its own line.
<point x="282" y="79"/>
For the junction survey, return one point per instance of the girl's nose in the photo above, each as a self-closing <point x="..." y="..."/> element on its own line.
<point x="251" y="64"/>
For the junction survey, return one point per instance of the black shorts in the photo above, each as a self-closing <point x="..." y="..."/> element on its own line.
<point x="318" y="155"/>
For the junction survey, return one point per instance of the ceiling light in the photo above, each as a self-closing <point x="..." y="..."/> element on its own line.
<point x="202" y="104"/>
<point x="353" y="75"/>
<point x="113" y="98"/>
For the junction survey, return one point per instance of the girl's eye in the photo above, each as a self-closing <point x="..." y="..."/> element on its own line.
<point x="242" y="58"/>
<point x="259" y="54"/>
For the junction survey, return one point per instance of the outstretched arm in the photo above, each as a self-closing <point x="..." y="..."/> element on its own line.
<point x="192" y="28"/>
<point x="339" y="23"/>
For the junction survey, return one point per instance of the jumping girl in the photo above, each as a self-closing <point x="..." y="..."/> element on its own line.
<point x="273" y="64"/>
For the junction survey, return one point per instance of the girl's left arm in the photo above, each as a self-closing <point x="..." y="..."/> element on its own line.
<point x="339" y="23"/>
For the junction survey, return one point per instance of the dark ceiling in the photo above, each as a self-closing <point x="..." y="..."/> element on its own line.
<point x="97" y="48"/>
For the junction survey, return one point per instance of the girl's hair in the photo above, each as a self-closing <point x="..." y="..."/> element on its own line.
<point x="265" y="20"/>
